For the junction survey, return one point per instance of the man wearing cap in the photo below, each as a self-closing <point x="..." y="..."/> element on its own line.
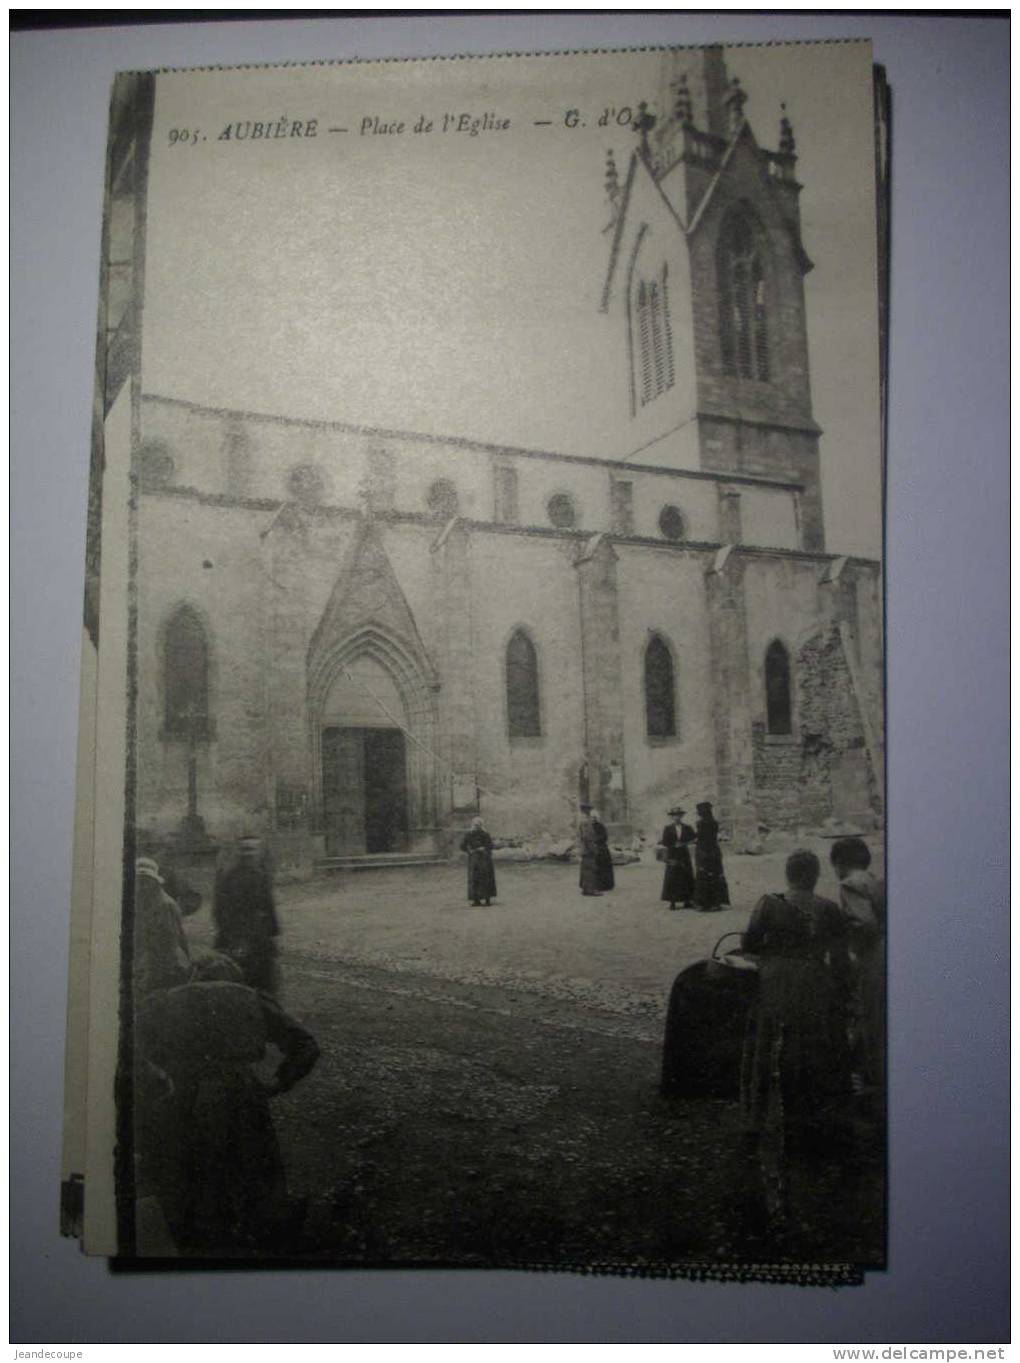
<point x="245" y="916"/>
<point x="678" y="881"/>
<point x="588" y="846"/>
<point x="161" y="956"/>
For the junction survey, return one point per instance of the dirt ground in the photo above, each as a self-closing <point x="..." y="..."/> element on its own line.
<point x="488" y="1086"/>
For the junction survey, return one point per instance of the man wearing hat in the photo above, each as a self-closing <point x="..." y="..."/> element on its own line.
<point x="678" y="881"/>
<point x="588" y="845"/>
<point x="245" y="916"/>
<point x="161" y="957"/>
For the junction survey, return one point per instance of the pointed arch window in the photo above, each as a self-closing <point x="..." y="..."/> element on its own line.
<point x="660" y="689"/>
<point x="743" y="297"/>
<point x="186" y="674"/>
<point x="522" y="698"/>
<point x="654" y="337"/>
<point x="778" y="705"/>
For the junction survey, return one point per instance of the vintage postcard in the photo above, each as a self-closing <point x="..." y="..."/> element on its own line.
<point x="479" y="853"/>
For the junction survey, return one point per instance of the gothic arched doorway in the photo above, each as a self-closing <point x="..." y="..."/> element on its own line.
<point x="373" y="723"/>
<point x="364" y="762"/>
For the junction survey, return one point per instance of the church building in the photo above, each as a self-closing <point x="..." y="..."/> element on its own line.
<point x="352" y="640"/>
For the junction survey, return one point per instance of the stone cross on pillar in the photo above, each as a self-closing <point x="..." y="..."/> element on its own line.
<point x="193" y="832"/>
<point x="595" y="564"/>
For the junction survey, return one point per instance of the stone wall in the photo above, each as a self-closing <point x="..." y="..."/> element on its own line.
<point x="205" y="557"/>
<point x="663" y="593"/>
<point x="778" y="786"/>
<point x="262" y="574"/>
<point x="823" y="770"/>
<point x="245" y="458"/>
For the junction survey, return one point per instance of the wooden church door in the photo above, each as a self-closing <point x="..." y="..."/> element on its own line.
<point x="364" y="791"/>
<point x="343" y="792"/>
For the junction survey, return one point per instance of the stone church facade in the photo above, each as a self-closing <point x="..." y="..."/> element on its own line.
<point x="353" y="639"/>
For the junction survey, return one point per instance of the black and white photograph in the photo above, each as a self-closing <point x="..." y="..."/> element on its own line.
<point x="481" y="819"/>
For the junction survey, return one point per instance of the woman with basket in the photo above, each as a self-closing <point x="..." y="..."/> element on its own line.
<point x="678" y="880"/>
<point x="795" y="1066"/>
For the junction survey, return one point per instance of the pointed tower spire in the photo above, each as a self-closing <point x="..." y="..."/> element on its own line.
<point x="735" y="101"/>
<point x="714" y="80"/>
<point x="683" y="108"/>
<point x="787" y="142"/>
<point x="613" y="190"/>
<point x="612" y="179"/>
<point x="643" y="125"/>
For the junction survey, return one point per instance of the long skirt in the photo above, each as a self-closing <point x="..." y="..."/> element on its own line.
<point x="589" y="877"/>
<point x="704" y="1034"/>
<point x="231" y="1191"/>
<point x="604" y="869"/>
<point x="871" y="1021"/>
<point x="678" y="882"/>
<point x="795" y="1064"/>
<point x="258" y="963"/>
<point x="710" y="888"/>
<point x="481" y="875"/>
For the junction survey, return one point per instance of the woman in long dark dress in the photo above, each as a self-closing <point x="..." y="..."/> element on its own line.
<point x="588" y="875"/>
<point x="710" y="889"/>
<point x="481" y="874"/>
<point x="795" y="1069"/>
<point x="603" y="857"/>
<point x="678" y="881"/>
<point x="862" y="898"/>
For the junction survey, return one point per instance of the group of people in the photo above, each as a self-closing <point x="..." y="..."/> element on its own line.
<point x="812" y="1030"/>
<point x="209" y="1171"/>
<point x="593" y="844"/>
<point x="701" y="884"/>
<point x="817" y="1027"/>
<point x="793" y="1022"/>
<point x="596" y="876"/>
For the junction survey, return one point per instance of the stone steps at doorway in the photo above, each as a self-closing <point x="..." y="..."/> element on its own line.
<point x="379" y="861"/>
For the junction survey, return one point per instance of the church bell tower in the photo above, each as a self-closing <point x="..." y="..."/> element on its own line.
<point x="706" y="278"/>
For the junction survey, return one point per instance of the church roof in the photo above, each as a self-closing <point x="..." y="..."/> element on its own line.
<point x="626" y="462"/>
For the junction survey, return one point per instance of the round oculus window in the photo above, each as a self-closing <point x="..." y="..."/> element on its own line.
<point x="157" y="465"/>
<point x="562" y="512"/>
<point x="306" y="484"/>
<point x="671" y="523"/>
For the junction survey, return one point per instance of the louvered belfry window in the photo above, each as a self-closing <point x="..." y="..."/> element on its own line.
<point x="654" y="337"/>
<point x="743" y="298"/>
